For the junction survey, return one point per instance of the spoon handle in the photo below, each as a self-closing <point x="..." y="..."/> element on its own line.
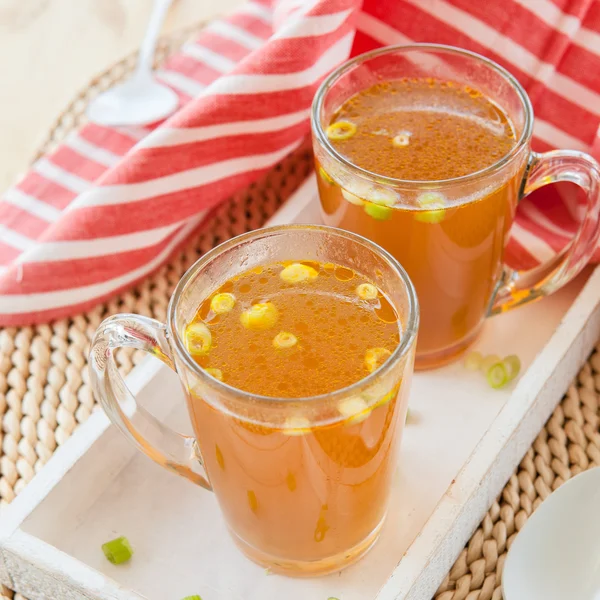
<point x="148" y="48"/>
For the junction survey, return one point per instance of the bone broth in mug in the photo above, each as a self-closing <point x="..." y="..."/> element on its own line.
<point x="425" y="150"/>
<point x="290" y="330"/>
<point x="295" y="347"/>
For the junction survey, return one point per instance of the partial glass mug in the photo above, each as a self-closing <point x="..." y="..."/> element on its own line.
<point x="453" y="249"/>
<point x="303" y="490"/>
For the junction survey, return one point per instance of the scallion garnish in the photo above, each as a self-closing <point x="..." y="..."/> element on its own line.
<point x="513" y="366"/>
<point x="497" y="375"/>
<point x="473" y="361"/>
<point x="118" y="551"/>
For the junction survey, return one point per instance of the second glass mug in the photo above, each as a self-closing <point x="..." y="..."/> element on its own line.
<point x="301" y="504"/>
<point x="456" y="264"/>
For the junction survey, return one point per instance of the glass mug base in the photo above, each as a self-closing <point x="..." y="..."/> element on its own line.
<point x="425" y="361"/>
<point x="309" y="568"/>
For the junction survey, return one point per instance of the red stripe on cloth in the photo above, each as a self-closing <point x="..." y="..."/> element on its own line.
<point x="8" y="254"/>
<point x="85" y="271"/>
<point x="21" y="221"/>
<point x="589" y="14"/>
<point x="540" y="145"/>
<point x="196" y="69"/>
<point x="69" y="160"/>
<point x="551" y="204"/>
<point x="160" y="210"/>
<point x="577" y="8"/>
<point x="224" y="46"/>
<point x="544" y="41"/>
<point x="109" y="139"/>
<point x="517" y="257"/>
<point x="251" y="25"/>
<point x="555" y="241"/>
<point x="152" y="163"/>
<point x="581" y="65"/>
<point x="38" y="186"/>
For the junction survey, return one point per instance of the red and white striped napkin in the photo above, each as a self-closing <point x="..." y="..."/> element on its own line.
<point x="110" y="205"/>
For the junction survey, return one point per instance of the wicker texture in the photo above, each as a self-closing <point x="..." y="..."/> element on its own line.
<point x="45" y="392"/>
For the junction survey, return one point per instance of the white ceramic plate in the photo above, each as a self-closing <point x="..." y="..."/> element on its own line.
<point x="556" y="556"/>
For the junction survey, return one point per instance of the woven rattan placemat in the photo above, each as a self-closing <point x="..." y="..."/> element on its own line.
<point x="45" y="392"/>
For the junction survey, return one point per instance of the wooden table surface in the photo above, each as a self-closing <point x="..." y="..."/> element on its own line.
<point x="49" y="49"/>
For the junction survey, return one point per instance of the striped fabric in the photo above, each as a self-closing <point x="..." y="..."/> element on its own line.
<point x="110" y="205"/>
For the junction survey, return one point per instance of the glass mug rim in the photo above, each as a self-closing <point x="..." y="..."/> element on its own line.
<point x="334" y="77"/>
<point x="407" y="336"/>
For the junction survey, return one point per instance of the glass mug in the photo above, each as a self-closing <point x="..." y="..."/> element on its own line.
<point x="456" y="261"/>
<point x="298" y="504"/>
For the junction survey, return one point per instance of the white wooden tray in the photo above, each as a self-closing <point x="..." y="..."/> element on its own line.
<point x="461" y="447"/>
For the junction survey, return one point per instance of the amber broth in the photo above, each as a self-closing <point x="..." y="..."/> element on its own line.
<point x="309" y="490"/>
<point x="428" y="130"/>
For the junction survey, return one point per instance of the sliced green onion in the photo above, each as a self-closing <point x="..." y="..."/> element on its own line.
<point x="341" y="130"/>
<point x="325" y="176"/>
<point x="513" y="366"/>
<point x="194" y="597"/>
<point x="198" y="339"/>
<point x="260" y="316"/>
<point x="332" y="598"/>
<point x="118" y="551"/>
<point x="352" y="198"/>
<point x="378" y="211"/>
<point x="284" y="340"/>
<point x="435" y="203"/>
<point x="401" y="140"/>
<point x="431" y="216"/>
<point x="216" y="373"/>
<point x="222" y="303"/>
<point x="497" y="375"/>
<point x="473" y="361"/>
<point x="489" y="361"/>
<point x="367" y="291"/>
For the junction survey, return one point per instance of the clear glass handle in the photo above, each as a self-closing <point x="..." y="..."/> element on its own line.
<point x="519" y="287"/>
<point x="169" y="449"/>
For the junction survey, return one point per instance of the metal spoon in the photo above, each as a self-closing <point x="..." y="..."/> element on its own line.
<point x="140" y="100"/>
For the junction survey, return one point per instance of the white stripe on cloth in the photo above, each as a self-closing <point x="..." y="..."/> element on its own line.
<point x="180" y="82"/>
<point x="257" y="10"/>
<point x="556" y="137"/>
<point x="176" y="182"/>
<point x="15" y="240"/>
<point x="236" y="34"/>
<point x="589" y="39"/>
<point x="537" y="247"/>
<point x="91" y="151"/>
<point x="26" y="303"/>
<point x="487" y="36"/>
<point x="33" y="206"/>
<point x="135" y="133"/>
<point x="63" y="178"/>
<point x="538" y="217"/>
<point x="211" y="59"/>
<point x="77" y="249"/>
<point x="570" y="25"/>
<point x="380" y="31"/>
<point x="166" y="136"/>
<point x="569" y="197"/>
<point x="312" y="25"/>
<point x="279" y="82"/>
